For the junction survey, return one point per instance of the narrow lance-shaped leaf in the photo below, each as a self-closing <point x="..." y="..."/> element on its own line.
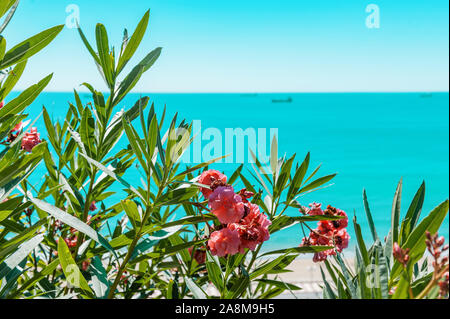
<point x="71" y="221"/>
<point x="395" y="215"/>
<point x="103" y="52"/>
<point x="29" y="47"/>
<point x="100" y="283"/>
<point x="16" y="258"/>
<point x="133" y="42"/>
<point x="70" y="268"/>
<point x="25" y="98"/>
<point x="197" y="292"/>
<point x="369" y="216"/>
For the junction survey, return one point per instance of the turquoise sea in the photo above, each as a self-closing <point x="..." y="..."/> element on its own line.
<point x="370" y="139"/>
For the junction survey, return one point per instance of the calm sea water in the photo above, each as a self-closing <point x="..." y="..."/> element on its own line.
<point x="370" y="140"/>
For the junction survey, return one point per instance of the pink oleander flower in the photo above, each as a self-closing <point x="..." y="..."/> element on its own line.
<point x="318" y="238"/>
<point x="253" y="229"/>
<point x="18" y="127"/>
<point x="323" y="255"/>
<point x="211" y="178"/>
<point x="71" y="241"/>
<point x="226" y="205"/>
<point x="2" y="104"/>
<point x="31" y="139"/>
<point x="57" y="224"/>
<point x="93" y="207"/>
<point x="245" y="195"/>
<point x="337" y="224"/>
<point x="224" y="242"/>
<point x="396" y="250"/>
<point x="85" y="265"/>
<point x="316" y="209"/>
<point x="401" y="255"/>
<point x="341" y="239"/>
<point x="199" y="255"/>
<point x="328" y="233"/>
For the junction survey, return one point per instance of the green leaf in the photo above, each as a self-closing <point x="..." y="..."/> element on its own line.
<point x="360" y="240"/>
<point x="279" y="284"/>
<point x="6" y="5"/>
<point x="240" y="285"/>
<point x="317" y="183"/>
<point x="284" y="176"/>
<point x="72" y="222"/>
<point x="48" y="270"/>
<point x="395" y="215"/>
<point x="8" y="207"/>
<point x="132" y="212"/>
<point x="416" y="240"/>
<point x="111" y="174"/>
<point x="87" y="129"/>
<point x="328" y="292"/>
<point x="103" y="53"/>
<point x="369" y="216"/>
<point x="191" y="220"/>
<point x="70" y="268"/>
<point x="88" y="46"/>
<point x="12" y="244"/>
<point x="25" y="98"/>
<point x="299" y="250"/>
<point x="274" y="157"/>
<point x="267" y="267"/>
<point x="100" y="283"/>
<point x="133" y="42"/>
<point x="347" y="276"/>
<point x="214" y="271"/>
<point x="133" y="77"/>
<point x="298" y="178"/>
<point x="177" y="196"/>
<point x="2" y="47"/>
<point x="413" y="213"/>
<point x="197" y="292"/>
<point x="29" y="47"/>
<point x="20" y="254"/>
<point x="12" y="79"/>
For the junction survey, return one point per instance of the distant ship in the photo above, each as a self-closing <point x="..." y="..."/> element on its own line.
<point x="288" y="100"/>
<point x="249" y="94"/>
<point x="426" y="95"/>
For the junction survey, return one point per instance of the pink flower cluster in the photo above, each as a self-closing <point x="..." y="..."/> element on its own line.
<point x="72" y="239"/>
<point x="93" y="207"/>
<point x="198" y="254"/>
<point x="29" y="141"/>
<point x="328" y="233"/>
<point x="242" y="224"/>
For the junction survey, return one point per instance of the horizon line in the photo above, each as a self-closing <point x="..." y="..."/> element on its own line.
<point x="249" y="92"/>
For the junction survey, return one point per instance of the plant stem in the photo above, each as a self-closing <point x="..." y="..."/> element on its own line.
<point x="87" y="204"/>
<point x="133" y="246"/>
<point x="255" y="254"/>
<point x="122" y="267"/>
<point x="432" y="283"/>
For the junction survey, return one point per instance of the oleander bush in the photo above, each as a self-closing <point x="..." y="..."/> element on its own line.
<point x="167" y="236"/>
<point x="411" y="262"/>
<point x="180" y="231"/>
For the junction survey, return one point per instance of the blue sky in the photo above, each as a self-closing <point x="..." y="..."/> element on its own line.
<point x="252" y="46"/>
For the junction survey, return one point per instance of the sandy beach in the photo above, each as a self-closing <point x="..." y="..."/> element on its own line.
<point x="306" y="274"/>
